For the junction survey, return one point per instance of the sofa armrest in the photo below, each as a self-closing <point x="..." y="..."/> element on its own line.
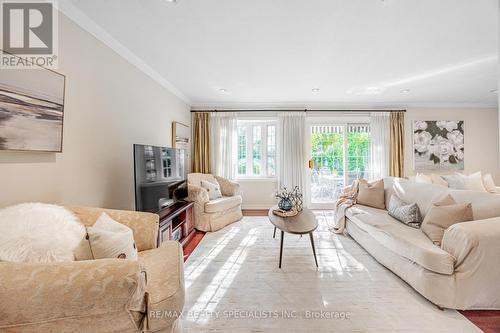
<point x="144" y="225"/>
<point x="475" y="245"/>
<point x="473" y="242"/>
<point x="165" y="290"/>
<point x="198" y="195"/>
<point x="228" y="188"/>
<point x="33" y="293"/>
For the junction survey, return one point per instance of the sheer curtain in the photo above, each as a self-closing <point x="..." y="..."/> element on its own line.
<point x="223" y="139"/>
<point x="291" y="152"/>
<point x="380" y="123"/>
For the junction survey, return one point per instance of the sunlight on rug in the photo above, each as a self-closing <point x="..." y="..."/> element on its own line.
<point x="233" y="284"/>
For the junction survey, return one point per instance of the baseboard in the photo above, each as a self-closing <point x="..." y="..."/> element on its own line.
<point x="255" y="212"/>
<point x="256" y="206"/>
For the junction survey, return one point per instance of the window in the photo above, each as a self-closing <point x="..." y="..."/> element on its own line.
<point x="256" y="148"/>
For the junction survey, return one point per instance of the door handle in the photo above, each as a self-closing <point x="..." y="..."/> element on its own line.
<point x="310" y="164"/>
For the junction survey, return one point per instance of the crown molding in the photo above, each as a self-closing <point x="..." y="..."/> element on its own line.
<point x="332" y="105"/>
<point x="86" y="23"/>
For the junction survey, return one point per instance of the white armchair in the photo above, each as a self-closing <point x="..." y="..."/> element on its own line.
<point x="212" y="215"/>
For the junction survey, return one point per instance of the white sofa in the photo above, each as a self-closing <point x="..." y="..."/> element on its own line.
<point x="461" y="274"/>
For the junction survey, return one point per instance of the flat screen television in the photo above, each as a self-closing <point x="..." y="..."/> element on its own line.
<point x="160" y="177"/>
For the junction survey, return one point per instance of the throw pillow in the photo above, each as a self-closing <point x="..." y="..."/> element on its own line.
<point x="489" y="183"/>
<point x="442" y="215"/>
<point x="421" y="178"/>
<point x="371" y="194"/>
<point x="438" y="180"/>
<point x="407" y="213"/>
<point x="38" y="233"/>
<point x="474" y="182"/>
<point x="107" y="238"/>
<point x="455" y="181"/>
<point x="212" y="189"/>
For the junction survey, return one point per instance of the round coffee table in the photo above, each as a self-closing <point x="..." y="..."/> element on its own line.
<point x="303" y="223"/>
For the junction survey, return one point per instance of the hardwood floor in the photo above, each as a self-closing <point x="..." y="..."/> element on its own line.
<point x="193" y="243"/>
<point x="488" y="321"/>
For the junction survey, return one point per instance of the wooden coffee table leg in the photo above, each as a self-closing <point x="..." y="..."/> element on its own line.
<point x="274" y="233"/>
<point x="314" y="250"/>
<point x="281" y="246"/>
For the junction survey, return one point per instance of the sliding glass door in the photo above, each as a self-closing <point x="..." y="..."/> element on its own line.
<point x="339" y="153"/>
<point x="326" y="163"/>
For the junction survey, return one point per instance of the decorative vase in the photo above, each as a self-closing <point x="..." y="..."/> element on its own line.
<point x="299" y="202"/>
<point x="285" y="204"/>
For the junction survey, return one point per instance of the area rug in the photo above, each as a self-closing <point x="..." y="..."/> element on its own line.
<point x="233" y="284"/>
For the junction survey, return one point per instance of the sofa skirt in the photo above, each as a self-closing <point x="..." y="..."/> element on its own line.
<point x="440" y="289"/>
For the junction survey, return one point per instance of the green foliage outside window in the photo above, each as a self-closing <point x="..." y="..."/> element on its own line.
<point x="327" y="151"/>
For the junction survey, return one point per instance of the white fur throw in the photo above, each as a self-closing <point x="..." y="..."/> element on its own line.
<point x="38" y="233"/>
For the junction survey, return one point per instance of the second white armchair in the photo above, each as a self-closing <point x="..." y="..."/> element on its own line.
<point x="212" y="215"/>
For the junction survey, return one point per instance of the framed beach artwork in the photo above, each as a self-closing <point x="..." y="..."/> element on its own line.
<point x="438" y="145"/>
<point x="180" y="136"/>
<point x="31" y="110"/>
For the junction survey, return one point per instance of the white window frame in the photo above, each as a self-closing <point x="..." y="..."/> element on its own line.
<point x="249" y="124"/>
<point x="344" y="121"/>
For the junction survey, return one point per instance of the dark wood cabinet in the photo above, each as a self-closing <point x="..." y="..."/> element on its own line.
<point x="176" y="223"/>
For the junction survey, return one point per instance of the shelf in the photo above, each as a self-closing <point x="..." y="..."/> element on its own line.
<point x="176" y="225"/>
<point x="177" y="219"/>
<point x="186" y="239"/>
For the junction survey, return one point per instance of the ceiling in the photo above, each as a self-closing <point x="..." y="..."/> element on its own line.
<point x="275" y="52"/>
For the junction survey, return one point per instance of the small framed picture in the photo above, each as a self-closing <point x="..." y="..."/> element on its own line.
<point x="180" y="136"/>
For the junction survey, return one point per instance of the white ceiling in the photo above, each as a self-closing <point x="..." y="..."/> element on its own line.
<point x="274" y="52"/>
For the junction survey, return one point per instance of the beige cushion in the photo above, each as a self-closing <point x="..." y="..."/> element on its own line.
<point x="107" y="239"/>
<point x="144" y="225"/>
<point x="438" y="180"/>
<point x="222" y="204"/>
<point x="213" y="190"/>
<point x="407" y="242"/>
<point x="484" y="205"/>
<point x="442" y="215"/>
<point x="474" y="182"/>
<point x="489" y="183"/>
<point x="371" y="194"/>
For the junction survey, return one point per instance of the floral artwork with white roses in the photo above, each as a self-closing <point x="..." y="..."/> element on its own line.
<point x="438" y="145"/>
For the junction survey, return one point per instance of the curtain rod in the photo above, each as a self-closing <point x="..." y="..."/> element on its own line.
<point x="303" y="110"/>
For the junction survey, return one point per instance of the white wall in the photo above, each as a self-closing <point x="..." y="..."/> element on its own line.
<point x="481" y="148"/>
<point x="109" y="106"/>
<point x="481" y="136"/>
<point x="258" y="194"/>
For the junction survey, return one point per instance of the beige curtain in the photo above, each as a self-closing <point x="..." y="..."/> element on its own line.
<point x="397" y="159"/>
<point x="201" y="142"/>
